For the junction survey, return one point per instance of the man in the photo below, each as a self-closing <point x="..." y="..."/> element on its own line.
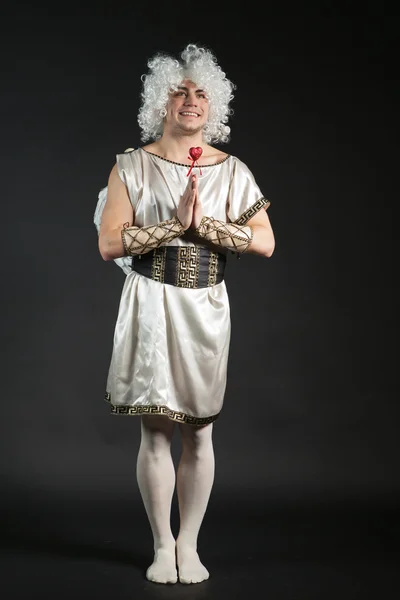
<point x="169" y="219"/>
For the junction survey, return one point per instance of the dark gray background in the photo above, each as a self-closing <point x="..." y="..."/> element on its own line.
<point x="310" y="411"/>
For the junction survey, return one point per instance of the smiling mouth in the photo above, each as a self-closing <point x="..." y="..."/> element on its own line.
<point x="189" y="114"/>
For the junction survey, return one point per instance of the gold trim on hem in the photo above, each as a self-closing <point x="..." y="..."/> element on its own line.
<point x="252" y="210"/>
<point x="174" y="415"/>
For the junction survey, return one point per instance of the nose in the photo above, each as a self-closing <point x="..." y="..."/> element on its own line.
<point x="191" y="99"/>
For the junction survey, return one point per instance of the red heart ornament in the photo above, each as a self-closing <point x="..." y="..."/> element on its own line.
<point x="195" y="153"/>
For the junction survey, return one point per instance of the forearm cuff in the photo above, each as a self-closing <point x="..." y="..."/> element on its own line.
<point x="227" y="235"/>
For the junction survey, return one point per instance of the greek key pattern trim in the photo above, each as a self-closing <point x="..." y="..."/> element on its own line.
<point x="158" y="264"/>
<point x="187" y="273"/>
<point x="252" y="210"/>
<point x="212" y="268"/>
<point x="174" y="415"/>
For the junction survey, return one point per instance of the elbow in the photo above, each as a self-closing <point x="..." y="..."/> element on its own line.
<point x="265" y="250"/>
<point x="104" y="250"/>
<point x="263" y="242"/>
<point x="110" y="245"/>
<point x="269" y="249"/>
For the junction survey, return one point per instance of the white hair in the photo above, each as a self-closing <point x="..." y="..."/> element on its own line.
<point x="166" y="74"/>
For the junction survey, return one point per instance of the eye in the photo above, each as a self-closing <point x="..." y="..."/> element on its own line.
<point x="180" y="93"/>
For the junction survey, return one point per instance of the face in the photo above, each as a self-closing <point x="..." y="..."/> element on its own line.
<point x="187" y="109"/>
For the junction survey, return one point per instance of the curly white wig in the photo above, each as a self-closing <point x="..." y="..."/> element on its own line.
<point x="166" y="74"/>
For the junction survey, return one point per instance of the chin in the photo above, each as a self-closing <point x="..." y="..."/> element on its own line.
<point x="191" y="130"/>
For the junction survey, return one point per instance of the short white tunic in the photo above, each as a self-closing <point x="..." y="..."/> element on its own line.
<point x="171" y="344"/>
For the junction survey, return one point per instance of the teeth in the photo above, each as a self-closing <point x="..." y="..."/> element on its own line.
<point x="190" y="114"/>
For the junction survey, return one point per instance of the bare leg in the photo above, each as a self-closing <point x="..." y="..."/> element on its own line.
<point x="156" y="480"/>
<point x="194" y="482"/>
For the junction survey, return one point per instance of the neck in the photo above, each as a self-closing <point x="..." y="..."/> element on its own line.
<point x="176" y="147"/>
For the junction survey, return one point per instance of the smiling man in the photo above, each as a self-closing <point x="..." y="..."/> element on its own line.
<point x="191" y="105"/>
<point x="169" y="223"/>
<point x="187" y="112"/>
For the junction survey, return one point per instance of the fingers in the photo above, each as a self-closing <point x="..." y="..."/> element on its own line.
<point x="195" y="188"/>
<point x="193" y="195"/>
<point x="190" y="196"/>
<point x="191" y="190"/>
<point x="192" y="181"/>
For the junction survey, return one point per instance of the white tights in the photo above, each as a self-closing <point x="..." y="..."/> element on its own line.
<point x="156" y="480"/>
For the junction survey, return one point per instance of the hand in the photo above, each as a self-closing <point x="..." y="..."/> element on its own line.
<point x="197" y="207"/>
<point x="186" y="203"/>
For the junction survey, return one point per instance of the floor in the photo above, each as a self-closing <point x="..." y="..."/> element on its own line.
<point x="55" y="550"/>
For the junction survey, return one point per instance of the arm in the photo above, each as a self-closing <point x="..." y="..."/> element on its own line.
<point x="256" y="236"/>
<point x="117" y="237"/>
<point x="263" y="241"/>
<point x="117" y="211"/>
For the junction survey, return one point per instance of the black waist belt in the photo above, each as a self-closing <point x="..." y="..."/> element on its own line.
<point x="183" y="266"/>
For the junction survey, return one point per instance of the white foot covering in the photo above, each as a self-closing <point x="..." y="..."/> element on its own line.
<point x="163" y="569"/>
<point x="190" y="569"/>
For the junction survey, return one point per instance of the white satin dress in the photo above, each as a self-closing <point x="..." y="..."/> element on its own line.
<point x="171" y="344"/>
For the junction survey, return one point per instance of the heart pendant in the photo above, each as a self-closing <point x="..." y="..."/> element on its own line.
<point x="195" y="153"/>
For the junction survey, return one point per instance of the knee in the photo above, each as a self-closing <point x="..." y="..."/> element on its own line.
<point x="197" y="440"/>
<point x="155" y="443"/>
<point x="156" y="437"/>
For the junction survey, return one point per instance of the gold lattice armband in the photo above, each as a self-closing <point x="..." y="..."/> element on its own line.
<point x="228" y="235"/>
<point x="139" y="240"/>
